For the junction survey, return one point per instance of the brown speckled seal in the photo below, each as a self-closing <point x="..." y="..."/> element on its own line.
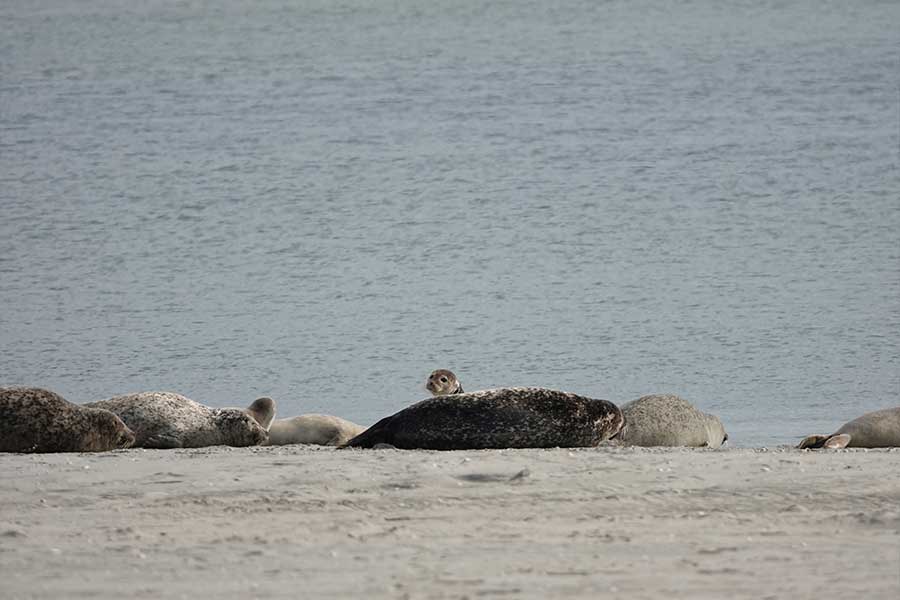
<point x="167" y="420"/>
<point x="443" y="383"/>
<point x="38" y="420"/>
<point x="500" y="418"/>
<point x="878" y="429"/>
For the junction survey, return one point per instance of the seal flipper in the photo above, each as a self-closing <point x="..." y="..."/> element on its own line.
<point x="263" y="411"/>
<point x="162" y="441"/>
<point x="379" y="433"/>
<point x="837" y="441"/>
<point x="812" y="441"/>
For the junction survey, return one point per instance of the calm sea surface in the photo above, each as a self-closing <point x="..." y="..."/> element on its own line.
<point x="324" y="201"/>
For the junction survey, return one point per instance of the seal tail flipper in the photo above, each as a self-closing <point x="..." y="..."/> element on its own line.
<point x="376" y="434"/>
<point x="837" y="441"/>
<point x="263" y="411"/>
<point x="812" y="441"/>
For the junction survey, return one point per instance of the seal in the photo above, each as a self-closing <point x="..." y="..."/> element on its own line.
<point x="878" y="429"/>
<point x="669" y="420"/>
<point x="323" y="430"/>
<point x="443" y="383"/>
<point x="168" y="420"/>
<point x="499" y="418"/>
<point x="38" y="420"/>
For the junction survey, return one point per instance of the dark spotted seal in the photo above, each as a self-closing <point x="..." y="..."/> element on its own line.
<point x="443" y="383"/>
<point x="36" y="420"/>
<point x="167" y="420"/>
<point x="323" y="430"/>
<point x="501" y="418"/>
<point x="668" y="420"/>
<point x="878" y="429"/>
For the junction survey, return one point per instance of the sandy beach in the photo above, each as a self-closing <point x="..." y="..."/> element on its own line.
<point x="298" y="522"/>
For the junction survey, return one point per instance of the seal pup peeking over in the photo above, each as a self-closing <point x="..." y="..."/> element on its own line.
<point x="168" y="420"/>
<point x="500" y="418"/>
<point x="877" y="429"/>
<point x="669" y="420"/>
<point x="323" y="430"/>
<point x="443" y="383"/>
<point x="38" y="420"/>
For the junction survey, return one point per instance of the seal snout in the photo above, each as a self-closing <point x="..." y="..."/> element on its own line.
<point x="126" y="439"/>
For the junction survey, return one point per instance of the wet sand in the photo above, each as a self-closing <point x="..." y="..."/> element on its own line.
<point x="297" y="522"/>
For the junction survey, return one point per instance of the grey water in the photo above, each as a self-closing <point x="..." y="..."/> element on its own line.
<point x="323" y="201"/>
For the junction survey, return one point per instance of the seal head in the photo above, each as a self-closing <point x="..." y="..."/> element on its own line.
<point x="109" y="431"/>
<point x="443" y="383"/>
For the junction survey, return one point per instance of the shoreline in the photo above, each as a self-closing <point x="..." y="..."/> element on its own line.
<point x="289" y="521"/>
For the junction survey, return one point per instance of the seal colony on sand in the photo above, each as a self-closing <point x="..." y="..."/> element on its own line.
<point x="323" y="430"/>
<point x="877" y="429"/>
<point x="38" y="420"/>
<point x="669" y="420"/>
<point x="443" y="383"/>
<point x="500" y="418"/>
<point x="168" y="420"/>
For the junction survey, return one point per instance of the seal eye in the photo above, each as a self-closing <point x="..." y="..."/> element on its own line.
<point x="443" y="380"/>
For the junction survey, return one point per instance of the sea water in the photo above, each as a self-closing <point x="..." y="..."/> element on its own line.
<point x="324" y="201"/>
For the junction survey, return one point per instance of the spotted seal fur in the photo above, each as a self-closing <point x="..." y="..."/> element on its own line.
<point x="877" y="429"/>
<point x="38" y="420"/>
<point x="168" y="420"/>
<point x="499" y="418"/>
<point x="443" y="383"/>
<point x="669" y="420"/>
<point x="323" y="430"/>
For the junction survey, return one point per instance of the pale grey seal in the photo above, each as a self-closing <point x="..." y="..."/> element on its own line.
<point x="323" y="430"/>
<point x="878" y="429"/>
<point x="500" y="418"/>
<point x="668" y="420"/>
<point x="168" y="420"/>
<point x="443" y="383"/>
<point x="38" y="420"/>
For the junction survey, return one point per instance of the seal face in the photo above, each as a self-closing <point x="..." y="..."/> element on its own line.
<point x="877" y="429"/>
<point x="323" y="430"/>
<point x="168" y="420"/>
<point x="669" y="420"/>
<point x="500" y="418"/>
<point x="443" y="383"/>
<point x="38" y="420"/>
